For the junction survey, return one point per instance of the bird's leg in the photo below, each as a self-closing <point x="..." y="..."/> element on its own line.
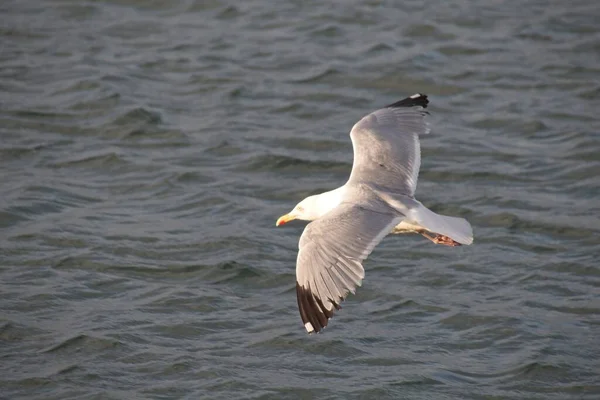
<point x="440" y="239"/>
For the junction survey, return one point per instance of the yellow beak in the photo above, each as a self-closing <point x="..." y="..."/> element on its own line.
<point x="284" y="219"/>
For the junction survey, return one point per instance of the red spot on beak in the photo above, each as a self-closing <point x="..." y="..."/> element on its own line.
<point x="283" y="220"/>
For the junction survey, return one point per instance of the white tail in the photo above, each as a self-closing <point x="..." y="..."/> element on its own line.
<point x="457" y="229"/>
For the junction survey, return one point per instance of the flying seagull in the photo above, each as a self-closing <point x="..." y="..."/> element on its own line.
<point x="378" y="199"/>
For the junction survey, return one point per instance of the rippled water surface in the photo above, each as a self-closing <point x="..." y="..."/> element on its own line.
<point x="147" y="148"/>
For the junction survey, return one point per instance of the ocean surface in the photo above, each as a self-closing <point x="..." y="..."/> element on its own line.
<point x="148" y="147"/>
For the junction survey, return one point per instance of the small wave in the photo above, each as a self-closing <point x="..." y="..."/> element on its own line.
<point x="225" y="149"/>
<point x="42" y="115"/>
<point x="319" y="76"/>
<point x="426" y="31"/>
<point x="194" y="177"/>
<point x="526" y="371"/>
<point x="14" y="332"/>
<point x="329" y="31"/>
<point x="229" y="12"/>
<point x="461" y="50"/>
<point x="395" y="307"/>
<point x="379" y="48"/>
<point x="138" y="115"/>
<point x="514" y="222"/>
<point x="310" y="144"/>
<point x="154" y="136"/>
<point x="334" y="348"/>
<point x="82" y="342"/>
<point x="232" y="272"/>
<point x="228" y="272"/>
<point x="16" y="152"/>
<point x="94" y="159"/>
<point x="472" y="176"/>
<point x="580" y="311"/>
<point x="34" y="201"/>
<point x="284" y="163"/>
<point x="462" y="321"/>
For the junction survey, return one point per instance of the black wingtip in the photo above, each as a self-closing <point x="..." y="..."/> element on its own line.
<point x="315" y="316"/>
<point x="417" y="99"/>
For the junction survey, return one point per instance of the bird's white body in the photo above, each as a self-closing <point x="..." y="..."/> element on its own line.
<point x="316" y="206"/>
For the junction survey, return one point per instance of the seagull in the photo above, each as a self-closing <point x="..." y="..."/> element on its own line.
<point x="378" y="199"/>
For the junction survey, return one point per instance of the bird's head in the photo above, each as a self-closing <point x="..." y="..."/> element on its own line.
<point x="306" y="210"/>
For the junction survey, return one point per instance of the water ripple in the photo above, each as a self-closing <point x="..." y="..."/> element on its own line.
<point x="148" y="148"/>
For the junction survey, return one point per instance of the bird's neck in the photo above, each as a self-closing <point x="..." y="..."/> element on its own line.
<point x="328" y="201"/>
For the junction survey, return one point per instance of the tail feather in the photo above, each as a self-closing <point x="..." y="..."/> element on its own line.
<point x="458" y="229"/>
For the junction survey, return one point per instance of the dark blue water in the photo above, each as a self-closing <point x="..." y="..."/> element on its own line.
<point x="147" y="148"/>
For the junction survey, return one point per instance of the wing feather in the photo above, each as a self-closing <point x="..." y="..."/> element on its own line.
<point x="387" y="152"/>
<point x="329" y="264"/>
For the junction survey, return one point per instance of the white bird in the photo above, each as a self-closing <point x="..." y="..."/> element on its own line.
<point x="378" y="199"/>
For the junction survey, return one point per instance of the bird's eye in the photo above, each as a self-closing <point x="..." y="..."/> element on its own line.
<point x="301" y="209"/>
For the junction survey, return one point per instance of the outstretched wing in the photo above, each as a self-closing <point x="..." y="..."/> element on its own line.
<point x="329" y="263"/>
<point x="386" y="146"/>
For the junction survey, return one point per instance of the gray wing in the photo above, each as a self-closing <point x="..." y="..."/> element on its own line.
<point x="329" y="266"/>
<point x="386" y="146"/>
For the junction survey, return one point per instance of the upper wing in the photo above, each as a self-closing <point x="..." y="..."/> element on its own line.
<point x="329" y="260"/>
<point x="386" y="145"/>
